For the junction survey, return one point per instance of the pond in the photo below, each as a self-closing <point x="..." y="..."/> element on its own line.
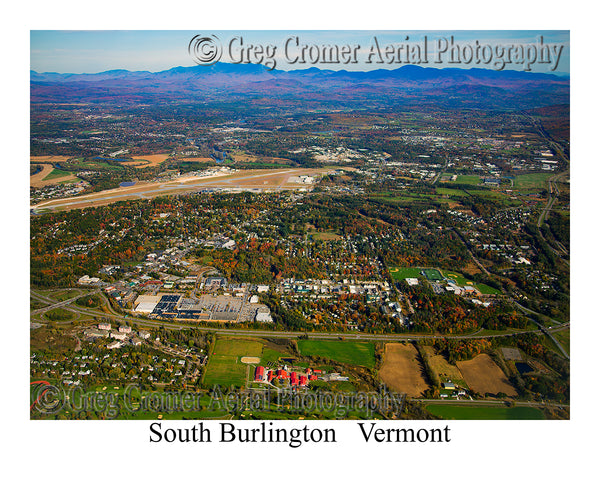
<point x="523" y="367"/>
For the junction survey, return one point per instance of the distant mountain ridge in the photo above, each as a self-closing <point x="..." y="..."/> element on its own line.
<point x="415" y="72"/>
<point x="236" y="80"/>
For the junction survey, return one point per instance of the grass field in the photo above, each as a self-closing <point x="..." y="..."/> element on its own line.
<point x="62" y="295"/>
<point x="487" y="290"/>
<point x="238" y="348"/>
<point x="460" y="412"/>
<point x="328" y="235"/>
<point x="531" y="181"/>
<point x="445" y="370"/>
<point x="453" y="192"/>
<point x="224" y="367"/>
<point x="402" y="370"/>
<point x="59" y="315"/>
<point x="468" y="179"/>
<point x="270" y="355"/>
<point x="46" y="339"/>
<point x="564" y="337"/>
<point x="56" y="173"/>
<point x="352" y="353"/>
<point x="400" y="273"/>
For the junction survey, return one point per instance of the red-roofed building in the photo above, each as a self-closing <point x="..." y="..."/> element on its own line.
<point x="270" y="375"/>
<point x="303" y="381"/>
<point x="294" y="379"/>
<point x="259" y="376"/>
<point x="312" y="377"/>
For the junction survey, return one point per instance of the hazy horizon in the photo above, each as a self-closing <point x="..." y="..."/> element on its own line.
<point x="89" y="52"/>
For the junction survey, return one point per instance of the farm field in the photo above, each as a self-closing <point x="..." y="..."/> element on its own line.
<point x="352" y="353"/>
<point x="462" y="412"/>
<point x="48" y="158"/>
<point x="149" y="160"/>
<point x="484" y="376"/>
<point x="402" y="370"/>
<point x="49" y="175"/>
<point x="37" y="179"/>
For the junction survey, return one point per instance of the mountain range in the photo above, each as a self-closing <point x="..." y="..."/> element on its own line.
<point x="473" y="87"/>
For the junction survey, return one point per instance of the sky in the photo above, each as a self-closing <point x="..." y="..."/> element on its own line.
<point x="79" y="51"/>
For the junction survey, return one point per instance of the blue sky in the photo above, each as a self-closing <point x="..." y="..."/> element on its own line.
<point x="101" y="50"/>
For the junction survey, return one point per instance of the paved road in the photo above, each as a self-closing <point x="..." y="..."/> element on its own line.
<point x="281" y="334"/>
<point x="59" y="304"/>
<point x="516" y="403"/>
<point x="315" y="335"/>
<point x="483" y="269"/>
<point x="543" y="328"/>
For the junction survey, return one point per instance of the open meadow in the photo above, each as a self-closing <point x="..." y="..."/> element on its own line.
<point x="351" y="353"/>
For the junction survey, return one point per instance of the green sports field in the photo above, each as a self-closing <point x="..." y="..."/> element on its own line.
<point x="352" y="353"/>
<point x="461" y="281"/>
<point x="224" y="366"/>
<point x="400" y="273"/>
<point x="432" y="274"/>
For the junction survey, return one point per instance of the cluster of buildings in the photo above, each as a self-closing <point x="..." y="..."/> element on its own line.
<point x="123" y="335"/>
<point x="374" y="290"/>
<point x="285" y="376"/>
<point x="209" y="308"/>
<point x="57" y="190"/>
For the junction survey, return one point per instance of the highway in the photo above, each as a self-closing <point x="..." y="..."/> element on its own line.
<point x="59" y="304"/>
<point x="553" y="190"/>
<point x="502" y="403"/>
<point x="282" y="334"/>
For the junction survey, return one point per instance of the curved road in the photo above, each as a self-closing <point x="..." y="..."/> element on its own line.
<point x="284" y="334"/>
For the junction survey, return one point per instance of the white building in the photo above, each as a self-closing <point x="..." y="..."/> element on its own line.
<point x="263" y="317"/>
